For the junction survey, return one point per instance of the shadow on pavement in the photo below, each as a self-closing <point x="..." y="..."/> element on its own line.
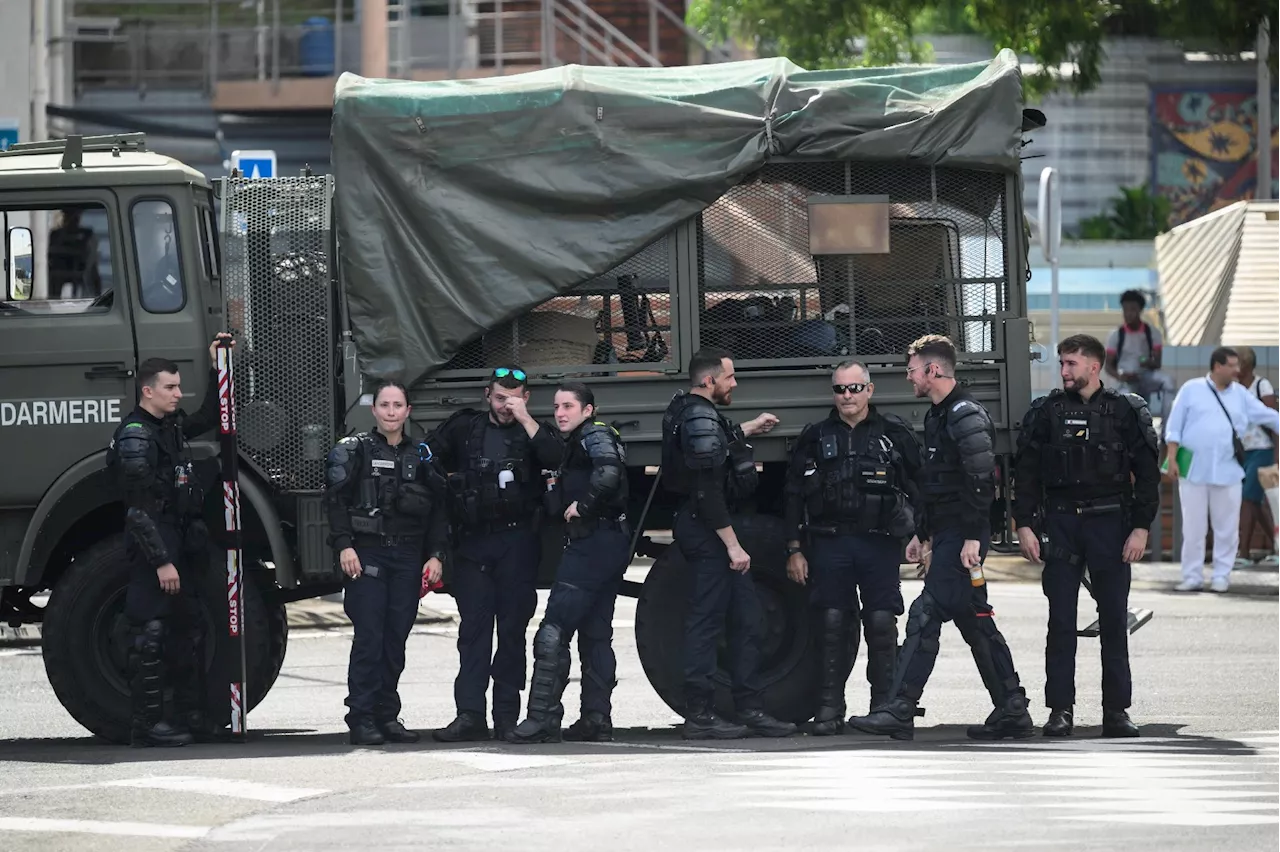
<point x="286" y="743"/>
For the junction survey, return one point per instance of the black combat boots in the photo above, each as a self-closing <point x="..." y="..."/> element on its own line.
<point x="550" y="676"/>
<point x="1060" y="723"/>
<point x="365" y="733"/>
<point x="394" y="731"/>
<point x="895" y="719"/>
<point x="1008" y="721"/>
<point x="593" y="727"/>
<point x="834" y="656"/>
<point x="469" y="727"/>
<point x="1116" y="723"/>
<point x="702" y="723"/>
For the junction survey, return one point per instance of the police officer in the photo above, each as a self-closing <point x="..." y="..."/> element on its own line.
<point x="495" y="460"/>
<point x="706" y="460"/>
<point x="73" y="259"/>
<point x="1087" y="477"/>
<point x="849" y="488"/>
<point x="167" y="546"/>
<point x="590" y="495"/>
<point x="957" y="485"/>
<point x="387" y="523"/>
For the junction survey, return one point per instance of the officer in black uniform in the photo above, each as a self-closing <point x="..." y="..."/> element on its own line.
<point x="590" y="494"/>
<point x="388" y="525"/>
<point x="495" y="461"/>
<point x="850" y="490"/>
<point x="957" y="485"/>
<point x="707" y="461"/>
<point x="1088" y="478"/>
<point x="167" y="544"/>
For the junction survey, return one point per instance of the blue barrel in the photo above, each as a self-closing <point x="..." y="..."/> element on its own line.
<point x="315" y="48"/>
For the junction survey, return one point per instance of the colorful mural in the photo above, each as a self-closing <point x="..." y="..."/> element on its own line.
<point x="1204" y="148"/>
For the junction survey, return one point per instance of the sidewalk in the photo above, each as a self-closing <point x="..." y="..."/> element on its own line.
<point x="322" y="614"/>
<point x="311" y="614"/>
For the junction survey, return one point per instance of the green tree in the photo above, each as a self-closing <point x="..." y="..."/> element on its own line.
<point x="1137" y="214"/>
<point x="838" y="33"/>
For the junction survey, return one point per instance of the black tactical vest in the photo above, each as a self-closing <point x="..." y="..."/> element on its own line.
<point x="392" y="495"/>
<point x="1085" y="447"/>
<point x="854" y="482"/>
<point x="503" y="490"/>
<point x="740" y="475"/>
<point x="175" y="486"/>
<point x="942" y="477"/>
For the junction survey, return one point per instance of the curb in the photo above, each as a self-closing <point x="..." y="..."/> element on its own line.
<point x="307" y="617"/>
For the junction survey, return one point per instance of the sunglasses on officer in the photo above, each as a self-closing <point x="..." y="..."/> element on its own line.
<point x="854" y="388"/>
<point x="504" y="372"/>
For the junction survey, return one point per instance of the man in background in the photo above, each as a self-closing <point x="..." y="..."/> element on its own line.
<point x="1134" y="353"/>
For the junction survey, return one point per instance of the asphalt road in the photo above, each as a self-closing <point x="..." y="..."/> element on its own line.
<point x="1203" y="776"/>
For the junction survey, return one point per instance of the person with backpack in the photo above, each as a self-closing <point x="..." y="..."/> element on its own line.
<point x="1259" y="452"/>
<point x="1134" y="353"/>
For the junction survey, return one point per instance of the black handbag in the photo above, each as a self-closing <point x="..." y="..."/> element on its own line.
<point x="1237" y="446"/>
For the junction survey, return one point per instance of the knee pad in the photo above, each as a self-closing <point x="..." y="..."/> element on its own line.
<point x="549" y="640"/>
<point x="881" y="627"/>
<point x="922" y="619"/>
<point x="150" y="638"/>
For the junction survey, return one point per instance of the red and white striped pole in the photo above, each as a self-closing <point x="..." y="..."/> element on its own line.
<point x="231" y="514"/>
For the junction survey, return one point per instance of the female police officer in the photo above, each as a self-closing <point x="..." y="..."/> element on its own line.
<point x="388" y="525"/>
<point x="591" y="496"/>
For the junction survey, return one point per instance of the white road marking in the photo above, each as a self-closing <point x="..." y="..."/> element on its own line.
<point x="93" y="826"/>
<point x="229" y="787"/>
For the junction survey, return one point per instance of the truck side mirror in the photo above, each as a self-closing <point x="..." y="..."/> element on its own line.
<point x="18" y="268"/>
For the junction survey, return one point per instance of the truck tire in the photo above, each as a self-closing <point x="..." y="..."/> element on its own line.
<point x="86" y="638"/>
<point x="788" y="668"/>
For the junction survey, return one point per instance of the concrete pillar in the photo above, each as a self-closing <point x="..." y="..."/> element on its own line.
<point x="373" y="38"/>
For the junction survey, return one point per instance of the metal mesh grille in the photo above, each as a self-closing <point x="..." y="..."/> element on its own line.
<point x="764" y="296"/>
<point x="616" y="321"/>
<point x="279" y="304"/>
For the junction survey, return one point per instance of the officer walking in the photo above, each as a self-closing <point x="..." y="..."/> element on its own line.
<point x="1087" y="477"/>
<point x="850" y="488"/>
<point x="957" y="485"/>
<point x="591" y="496"/>
<point x="167" y="545"/>
<point x="495" y="459"/>
<point x="388" y="526"/>
<point x="706" y="460"/>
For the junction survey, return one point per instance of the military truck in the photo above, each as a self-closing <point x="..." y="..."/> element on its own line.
<point x="594" y="223"/>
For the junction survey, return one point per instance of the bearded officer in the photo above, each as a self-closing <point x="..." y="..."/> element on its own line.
<point x="167" y="544"/>
<point x="1087" y="477"/>
<point x="707" y="461"/>
<point x="957" y="485"/>
<point x="591" y="496"/>
<point x="848" y="488"/>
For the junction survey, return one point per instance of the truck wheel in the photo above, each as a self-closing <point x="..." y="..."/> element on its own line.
<point x="86" y="641"/>
<point x="788" y="669"/>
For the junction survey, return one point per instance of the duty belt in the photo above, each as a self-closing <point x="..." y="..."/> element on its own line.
<point x="1101" y="506"/>
<point x="837" y="528"/>
<point x="370" y="540"/>
<point x="584" y="527"/>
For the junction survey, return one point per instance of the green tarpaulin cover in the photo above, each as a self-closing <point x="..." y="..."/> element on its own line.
<point x="463" y="203"/>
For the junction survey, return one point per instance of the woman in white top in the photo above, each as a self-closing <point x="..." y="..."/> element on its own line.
<point x="1259" y="452"/>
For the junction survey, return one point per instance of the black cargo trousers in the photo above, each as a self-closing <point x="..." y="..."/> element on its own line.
<point x="1074" y="542"/>
<point x="168" y="631"/>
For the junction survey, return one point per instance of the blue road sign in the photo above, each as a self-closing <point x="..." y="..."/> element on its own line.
<point x="8" y="133"/>
<point x="255" y="164"/>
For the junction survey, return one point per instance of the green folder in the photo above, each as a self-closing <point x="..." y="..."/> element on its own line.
<point x="1184" y="462"/>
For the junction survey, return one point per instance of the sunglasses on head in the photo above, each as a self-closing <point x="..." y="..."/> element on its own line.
<point x="856" y="387"/>
<point x="503" y="372"/>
